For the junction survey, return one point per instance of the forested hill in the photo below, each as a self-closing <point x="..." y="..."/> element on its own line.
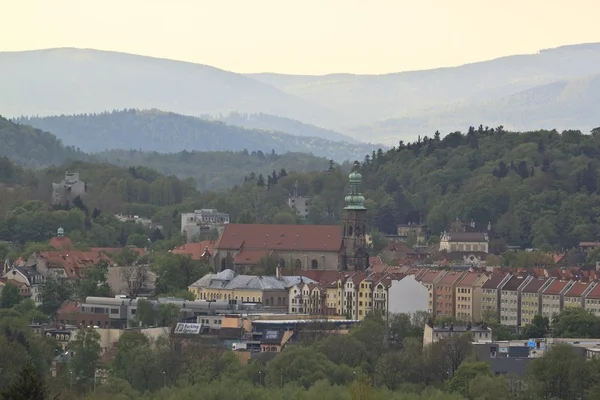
<point x="537" y="189"/>
<point x="216" y="170"/>
<point x="34" y="148"/>
<point x="164" y="132"/>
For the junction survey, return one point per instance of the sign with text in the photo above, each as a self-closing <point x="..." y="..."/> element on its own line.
<point x="188" y="329"/>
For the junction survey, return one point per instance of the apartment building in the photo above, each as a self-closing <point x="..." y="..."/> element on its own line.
<point x="531" y="299"/>
<point x="510" y="299"/>
<point x="490" y="298"/>
<point x="575" y="296"/>
<point x="446" y="293"/>
<point x="553" y="297"/>
<point x="592" y="300"/>
<point x="468" y="296"/>
<point x="430" y="279"/>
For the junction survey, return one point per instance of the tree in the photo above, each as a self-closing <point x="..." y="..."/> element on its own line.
<point x="378" y="241"/>
<point x="466" y="373"/>
<point x="94" y="281"/>
<point x="54" y="293"/>
<point x="27" y="386"/>
<point x="136" y="278"/>
<point x="168" y="314"/>
<point x="538" y="328"/>
<point x="145" y="314"/>
<point x="10" y="296"/>
<point x="86" y="349"/>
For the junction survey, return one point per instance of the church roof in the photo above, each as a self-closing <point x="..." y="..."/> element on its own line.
<point x="281" y="237"/>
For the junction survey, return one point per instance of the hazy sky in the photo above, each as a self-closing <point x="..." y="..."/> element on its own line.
<point x="303" y="36"/>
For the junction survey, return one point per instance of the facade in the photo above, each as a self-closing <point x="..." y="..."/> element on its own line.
<point x="464" y="242"/>
<point x="433" y="334"/>
<point x="575" y="296"/>
<point x="299" y="205"/>
<point x="192" y="224"/>
<point x="419" y="231"/>
<point x="592" y="300"/>
<point x="553" y="297"/>
<point x="446" y="293"/>
<point x="69" y="189"/>
<point x="271" y="291"/>
<point x="468" y="297"/>
<point x="429" y="279"/>
<point x="490" y="299"/>
<point x="531" y="299"/>
<point x="28" y="280"/>
<point x="510" y="299"/>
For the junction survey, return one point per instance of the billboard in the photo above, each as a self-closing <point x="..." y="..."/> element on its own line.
<point x="187" y="329"/>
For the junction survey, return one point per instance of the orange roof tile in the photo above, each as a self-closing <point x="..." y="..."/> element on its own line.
<point x="577" y="289"/>
<point x="250" y="257"/>
<point x="556" y="287"/>
<point x="429" y="276"/>
<point x="74" y="261"/>
<point x="196" y="250"/>
<point x="469" y="279"/>
<point x="281" y="237"/>
<point x="61" y="243"/>
<point x="451" y="278"/>
<point x="594" y="293"/>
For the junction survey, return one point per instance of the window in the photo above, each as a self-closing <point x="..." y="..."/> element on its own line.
<point x="298" y="264"/>
<point x="314" y="264"/>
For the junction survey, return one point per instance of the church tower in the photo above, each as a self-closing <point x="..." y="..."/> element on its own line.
<point x="355" y="255"/>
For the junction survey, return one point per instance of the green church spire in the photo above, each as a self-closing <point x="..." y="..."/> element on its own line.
<point x="355" y="200"/>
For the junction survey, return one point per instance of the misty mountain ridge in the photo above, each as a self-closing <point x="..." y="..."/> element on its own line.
<point x="389" y="107"/>
<point x="167" y="132"/>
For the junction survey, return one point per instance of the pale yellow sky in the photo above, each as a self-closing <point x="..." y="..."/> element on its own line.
<point x="303" y="36"/>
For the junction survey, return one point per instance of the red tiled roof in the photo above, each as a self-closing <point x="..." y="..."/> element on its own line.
<point x="281" y="237"/>
<point x="556" y="287"/>
<point x="577" y="289"/>
<point x="250" y="257"/>
<point x="61" y="243"/>
<point x="195" y="250"/>
<point x="594" y="293"/>
<point x="450" y="278"/>
<point x="429" y="276"/>
<point x="69" y="307"/>
<point x="375" y="260"/>
<point x="74" y="261"/>
<point x="399" y="247"/>
<point x="535" y="285"/>
<point x="117" y="250"/>
<point x="469" y="279"/>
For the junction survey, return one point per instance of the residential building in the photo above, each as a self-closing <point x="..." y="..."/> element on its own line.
<point x="350" y="292"/>
<point x="299" y="298"/>
<point x="433" y="334"/>
<point x="469" y="242"/>
<point x="553" y="297"/>
<point x="413" y="229"/>
<point x="592" y="300"/>
<point x="300" y="205"/>
<point x="271" y="291"/>
<point x="28" y="280"/>
<point x="468" y="296"/>
<point x="68" y="190"/>
<point x="200" y="251"/>
<point x="204" y="220"/>
<point x="531" y="299"/>
<point x="365" y="297"/>
<point x="575" y="296"/>
<point x="446" y="293"/>
<point x="429" y="279"/>
<point x="491" y="296"/>
<point x="317" y="304"/>
<point x="510" y="299"/>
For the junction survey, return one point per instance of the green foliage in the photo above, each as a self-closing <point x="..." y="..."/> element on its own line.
<point x="167" y="315"/>
<point x="10" y="296"/>
<point x="54" y="293"/>
<point x="152" y="130"/>
<point x="31" y="148"/>
<point x="467" y="371"/>
<point x="28" y="385"/>
<point x="145" y="314"/>
<point x="576" y="322"/>
<point x="94" y="283"/>
<point x="86" y="349"/>
<point x="176" y="272"/>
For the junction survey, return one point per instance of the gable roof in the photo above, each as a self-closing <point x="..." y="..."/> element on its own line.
<point x="535" y="285"/>
<point x="469" y="279"/>
<point x="281" y="237"/>
<point x="494" y="281"/>
<point x="594" y="293"/>
<point x="450" y="278"/>
<point x="73" y="262"/>
<point x="430" y="276"/>
<point x="515" y="282"/>
<point x="577" y="289"/>
<point x="556" y="287"/>
<point x="196" y="250"/>
<point x="466" y="237"/>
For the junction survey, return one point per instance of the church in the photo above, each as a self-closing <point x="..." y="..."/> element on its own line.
<point x="305" y="247"/>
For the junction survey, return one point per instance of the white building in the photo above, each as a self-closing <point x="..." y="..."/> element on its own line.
<point x="201" y="221"/>
<point x="407" y="295"/>
<point x="300" y="205"/>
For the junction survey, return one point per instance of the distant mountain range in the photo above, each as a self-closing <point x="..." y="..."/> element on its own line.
<point x="555" y="88"/>
<point x="165" y="132"/>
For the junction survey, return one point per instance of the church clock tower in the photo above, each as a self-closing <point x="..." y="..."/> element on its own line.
<point x="355" y="255"/>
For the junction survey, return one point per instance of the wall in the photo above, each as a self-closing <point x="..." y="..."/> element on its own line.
<point x="326" y="260"/>
<point x="407" y="296"/>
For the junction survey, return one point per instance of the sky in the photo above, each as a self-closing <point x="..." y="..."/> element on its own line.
<point x="303" y="36"/>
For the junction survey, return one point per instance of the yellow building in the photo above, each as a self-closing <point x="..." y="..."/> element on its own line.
<point x="271" y="291"/>
<point x="365" y="298"/>
<point x="531" y="299"/>
<point x="468" y="295"/>
<point x="574" y="297"/>
<point x="490" y="296"/>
